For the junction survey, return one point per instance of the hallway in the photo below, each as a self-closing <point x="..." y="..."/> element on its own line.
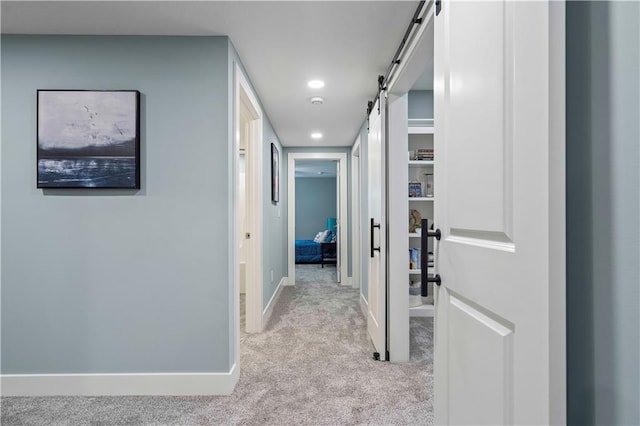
<point x="312" y="365"/>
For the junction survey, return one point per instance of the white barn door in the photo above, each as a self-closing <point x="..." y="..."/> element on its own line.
<point x="499" y="135"/>
<point x="338" y="229"/>
<point x="376" y="318"/>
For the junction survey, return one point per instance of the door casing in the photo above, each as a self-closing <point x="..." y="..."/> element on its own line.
<point x="341" y="157"/>
<point x="245" y="103"/>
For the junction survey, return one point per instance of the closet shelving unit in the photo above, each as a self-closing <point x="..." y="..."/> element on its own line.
<point x="420" y="134"/>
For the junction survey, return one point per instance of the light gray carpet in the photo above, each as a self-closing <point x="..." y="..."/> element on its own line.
<point x="311" y="366"/>
<point x="312" y="273"/>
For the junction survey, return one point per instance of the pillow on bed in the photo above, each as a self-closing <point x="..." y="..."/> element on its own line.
<point x="320" y="236"/>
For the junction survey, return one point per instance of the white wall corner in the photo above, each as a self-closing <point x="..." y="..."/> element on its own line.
<point x="347" y="282"/>
<point x="120" y="384"/>
<point x="288" y="282"/>
<point x="268" y="310"/>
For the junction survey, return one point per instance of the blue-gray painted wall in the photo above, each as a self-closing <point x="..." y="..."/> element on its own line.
<point x="119" y="281"/>
<point x="127" y="281"/>
<point x="315" y="202"/>
<point x="603" y="210"/>
<point x="420" y="104"/>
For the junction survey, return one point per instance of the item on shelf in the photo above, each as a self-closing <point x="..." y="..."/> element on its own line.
<point x="428" y="185"/>
<point x="415" y="299"/>
<point x="412" y="155"/>
<point x="424" y="155"/>
<point x="430" y="259"/>
<point x="414" y="258"/>
<point x="415" y="220"/>
<point x="415" y="189"/>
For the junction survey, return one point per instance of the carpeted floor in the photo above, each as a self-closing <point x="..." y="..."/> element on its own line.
<point x="312" y="365"/>
<point x="312" y="273"/>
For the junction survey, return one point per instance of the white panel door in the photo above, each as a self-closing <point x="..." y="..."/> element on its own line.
<point x="376" y="319"/>
<point x="500" y="173"/>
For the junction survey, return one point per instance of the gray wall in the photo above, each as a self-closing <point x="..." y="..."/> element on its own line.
<point x="119" y="281"/>
<point x="420" y="104"/>
<point x="315" y="202"/>
<point x="274" y="225"/>
<point x="603" y="207"/>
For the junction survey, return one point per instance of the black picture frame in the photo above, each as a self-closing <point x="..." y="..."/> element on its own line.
<point x="88" y="139"/>
<point x="275" y="174"/>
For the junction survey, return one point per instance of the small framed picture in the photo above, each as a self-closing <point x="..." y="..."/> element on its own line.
<point x="415" y="189"/>
<point x="275" y="174"/>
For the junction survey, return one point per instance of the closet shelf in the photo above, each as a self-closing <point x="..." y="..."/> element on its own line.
<point x="421" y="163"/>
<point x="421" y="198"/>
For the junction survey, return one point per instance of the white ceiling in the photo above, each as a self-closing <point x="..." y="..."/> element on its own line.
<point x="316" y="168"/>
<point x="282" y="44"/>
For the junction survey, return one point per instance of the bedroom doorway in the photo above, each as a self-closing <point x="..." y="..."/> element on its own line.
<point x="316" y="206"/>
<point x="317" y="211"/>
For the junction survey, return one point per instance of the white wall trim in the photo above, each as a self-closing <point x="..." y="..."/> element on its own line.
<point x="120" y="384"/>
<point x="268" y="310"/>
<point x="356" y="200"/>
<point x="245" y="98"/>
<point x="291" y="208"/>
<point x="347" y="282"/>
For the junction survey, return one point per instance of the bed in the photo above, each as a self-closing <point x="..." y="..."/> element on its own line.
<point x="308" y="251"/>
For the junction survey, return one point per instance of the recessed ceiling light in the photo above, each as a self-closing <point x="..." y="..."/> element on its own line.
<point x="317" y="100"/>
<point x="316" y="135"/>
<point x="316" y="84"/>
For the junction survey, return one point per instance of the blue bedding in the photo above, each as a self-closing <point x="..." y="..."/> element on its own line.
<point x="308" y="251"/>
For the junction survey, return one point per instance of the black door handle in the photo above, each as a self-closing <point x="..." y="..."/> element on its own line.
<point x="425" y="279"/>
<point x="373" y="225"/>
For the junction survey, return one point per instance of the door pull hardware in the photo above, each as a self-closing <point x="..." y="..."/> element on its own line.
<point x="435" y="234"/>
<point x="372" y="226"/>
<point x="425" y="279"/>
<point x="424" y="288"/>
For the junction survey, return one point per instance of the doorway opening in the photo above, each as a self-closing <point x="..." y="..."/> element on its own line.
<point x="316" y="236"/>
<point x="317" y="229"/>
<point x="247" y="250"/>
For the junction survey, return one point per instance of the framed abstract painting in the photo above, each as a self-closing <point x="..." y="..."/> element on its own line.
<point x="88" y="139"/>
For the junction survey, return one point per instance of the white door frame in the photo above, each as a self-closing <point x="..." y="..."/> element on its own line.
<point x="245" y="98"/>
<point x="417" y="56"/>
<point x="341" y="157"/>
<point x="356" y="188"/>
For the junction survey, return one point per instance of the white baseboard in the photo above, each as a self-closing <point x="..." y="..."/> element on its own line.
<point x="120" y="384"/>
<point x="266" y="314"/>
<point x="347" y="282"/>
<point x="364" y="305"/>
